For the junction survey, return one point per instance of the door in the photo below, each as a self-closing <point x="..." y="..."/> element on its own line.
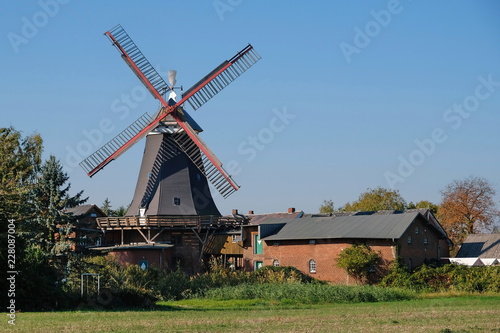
<point x="257" y="265"/>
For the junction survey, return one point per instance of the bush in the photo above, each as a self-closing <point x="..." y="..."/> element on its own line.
<point x="444" y="278"/>
<point x="39" y="280"/>
<point x="282" y="274"/>
<point x="219" y="277"/>
<point x="173" y="286"/>
<point x="357" y="261"/>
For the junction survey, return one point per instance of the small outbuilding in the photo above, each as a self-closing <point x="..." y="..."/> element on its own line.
<point x="483" y="248"/>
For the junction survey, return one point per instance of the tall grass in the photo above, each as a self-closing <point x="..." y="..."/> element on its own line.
<point x="309" y="293"/>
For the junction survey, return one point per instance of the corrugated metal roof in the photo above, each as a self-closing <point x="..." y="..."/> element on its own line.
<point x="261" y="218"/>
<point x="385" y="226"/>
<point x="480" y="245"/>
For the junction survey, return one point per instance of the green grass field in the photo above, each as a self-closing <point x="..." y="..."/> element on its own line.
<point x="431" y="314"/>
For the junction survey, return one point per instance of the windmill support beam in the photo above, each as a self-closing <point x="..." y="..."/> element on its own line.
<point x="157" y="234"/>
<point x="209" y="232"/>
<point x="144" y="236"/>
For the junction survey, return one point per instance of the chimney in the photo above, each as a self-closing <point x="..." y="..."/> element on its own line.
<point x="250" y="212"/>
<point x="235" y="212"/>
<point x="291" y="210"/>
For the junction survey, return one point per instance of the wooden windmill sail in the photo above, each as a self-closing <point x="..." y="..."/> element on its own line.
<point x="175" y="155"/>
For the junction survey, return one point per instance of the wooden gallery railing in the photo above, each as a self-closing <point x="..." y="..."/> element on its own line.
<point x="168" y="221"/>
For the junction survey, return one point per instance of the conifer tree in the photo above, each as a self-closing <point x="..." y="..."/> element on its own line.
<point x="52" y="227"/>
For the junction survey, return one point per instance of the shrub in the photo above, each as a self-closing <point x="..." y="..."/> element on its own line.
<point x="357" y="260"/>
<point x="282" y="274"/>
<point x="173" y="286"/>
<point x="447" y="277"/>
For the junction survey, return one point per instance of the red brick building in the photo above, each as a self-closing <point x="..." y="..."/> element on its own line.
<point x="170" y="241"/>
<point x="312" y="243"/>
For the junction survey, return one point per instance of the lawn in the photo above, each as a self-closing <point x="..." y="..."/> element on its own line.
<point x="437" y="314"/>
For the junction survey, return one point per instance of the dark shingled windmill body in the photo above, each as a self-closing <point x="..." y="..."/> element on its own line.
<point x="177" y="165"/>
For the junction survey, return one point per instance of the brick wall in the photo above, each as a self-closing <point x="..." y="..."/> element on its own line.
<point x="298" y="254"/>
<point x="186" y="250"/>
<point x="421" y="243"/>
<point x="158" y="258"/>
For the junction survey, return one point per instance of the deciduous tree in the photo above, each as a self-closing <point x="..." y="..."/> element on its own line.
<point x="20" y="160"/>
<point x="377" y="199"/>
<point x="467" y="207"/>
<point x="424" y="204"/>
<point x="326" y="207"/>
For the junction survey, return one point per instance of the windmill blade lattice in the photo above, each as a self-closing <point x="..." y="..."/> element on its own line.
<point x="137" y="61"/>
<point x="221" y="77"/>
<point x="204" y="159"/>
<point x="116" y="146"/>
<point x="219" y="179"/>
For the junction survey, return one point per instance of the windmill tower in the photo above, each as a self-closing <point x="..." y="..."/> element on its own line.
<point x="172" y="188"/>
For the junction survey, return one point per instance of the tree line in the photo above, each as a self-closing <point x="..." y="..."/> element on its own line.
<point x="467" y="206"/>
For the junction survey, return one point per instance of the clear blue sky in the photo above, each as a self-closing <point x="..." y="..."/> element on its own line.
<point x="375" y="93"/>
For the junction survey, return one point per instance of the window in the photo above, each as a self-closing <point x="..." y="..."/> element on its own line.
<point x="312" y="266"/>
<point x="93" y="215"/>
<point x="257" y="245"/>
<point x="276" y="263"/>
<point x="257" y="265"/>
<point x="198" y="177"/>
<point x="426" y="241"/>
<point x="410" y="263"/>
<point x="416" y="231"/>
<point x="409" y="239"/>
<point x="177" y="201"/>
<point x="312" y="241"/>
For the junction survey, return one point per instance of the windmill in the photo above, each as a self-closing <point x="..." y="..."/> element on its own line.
<point x="177" y="165"/>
